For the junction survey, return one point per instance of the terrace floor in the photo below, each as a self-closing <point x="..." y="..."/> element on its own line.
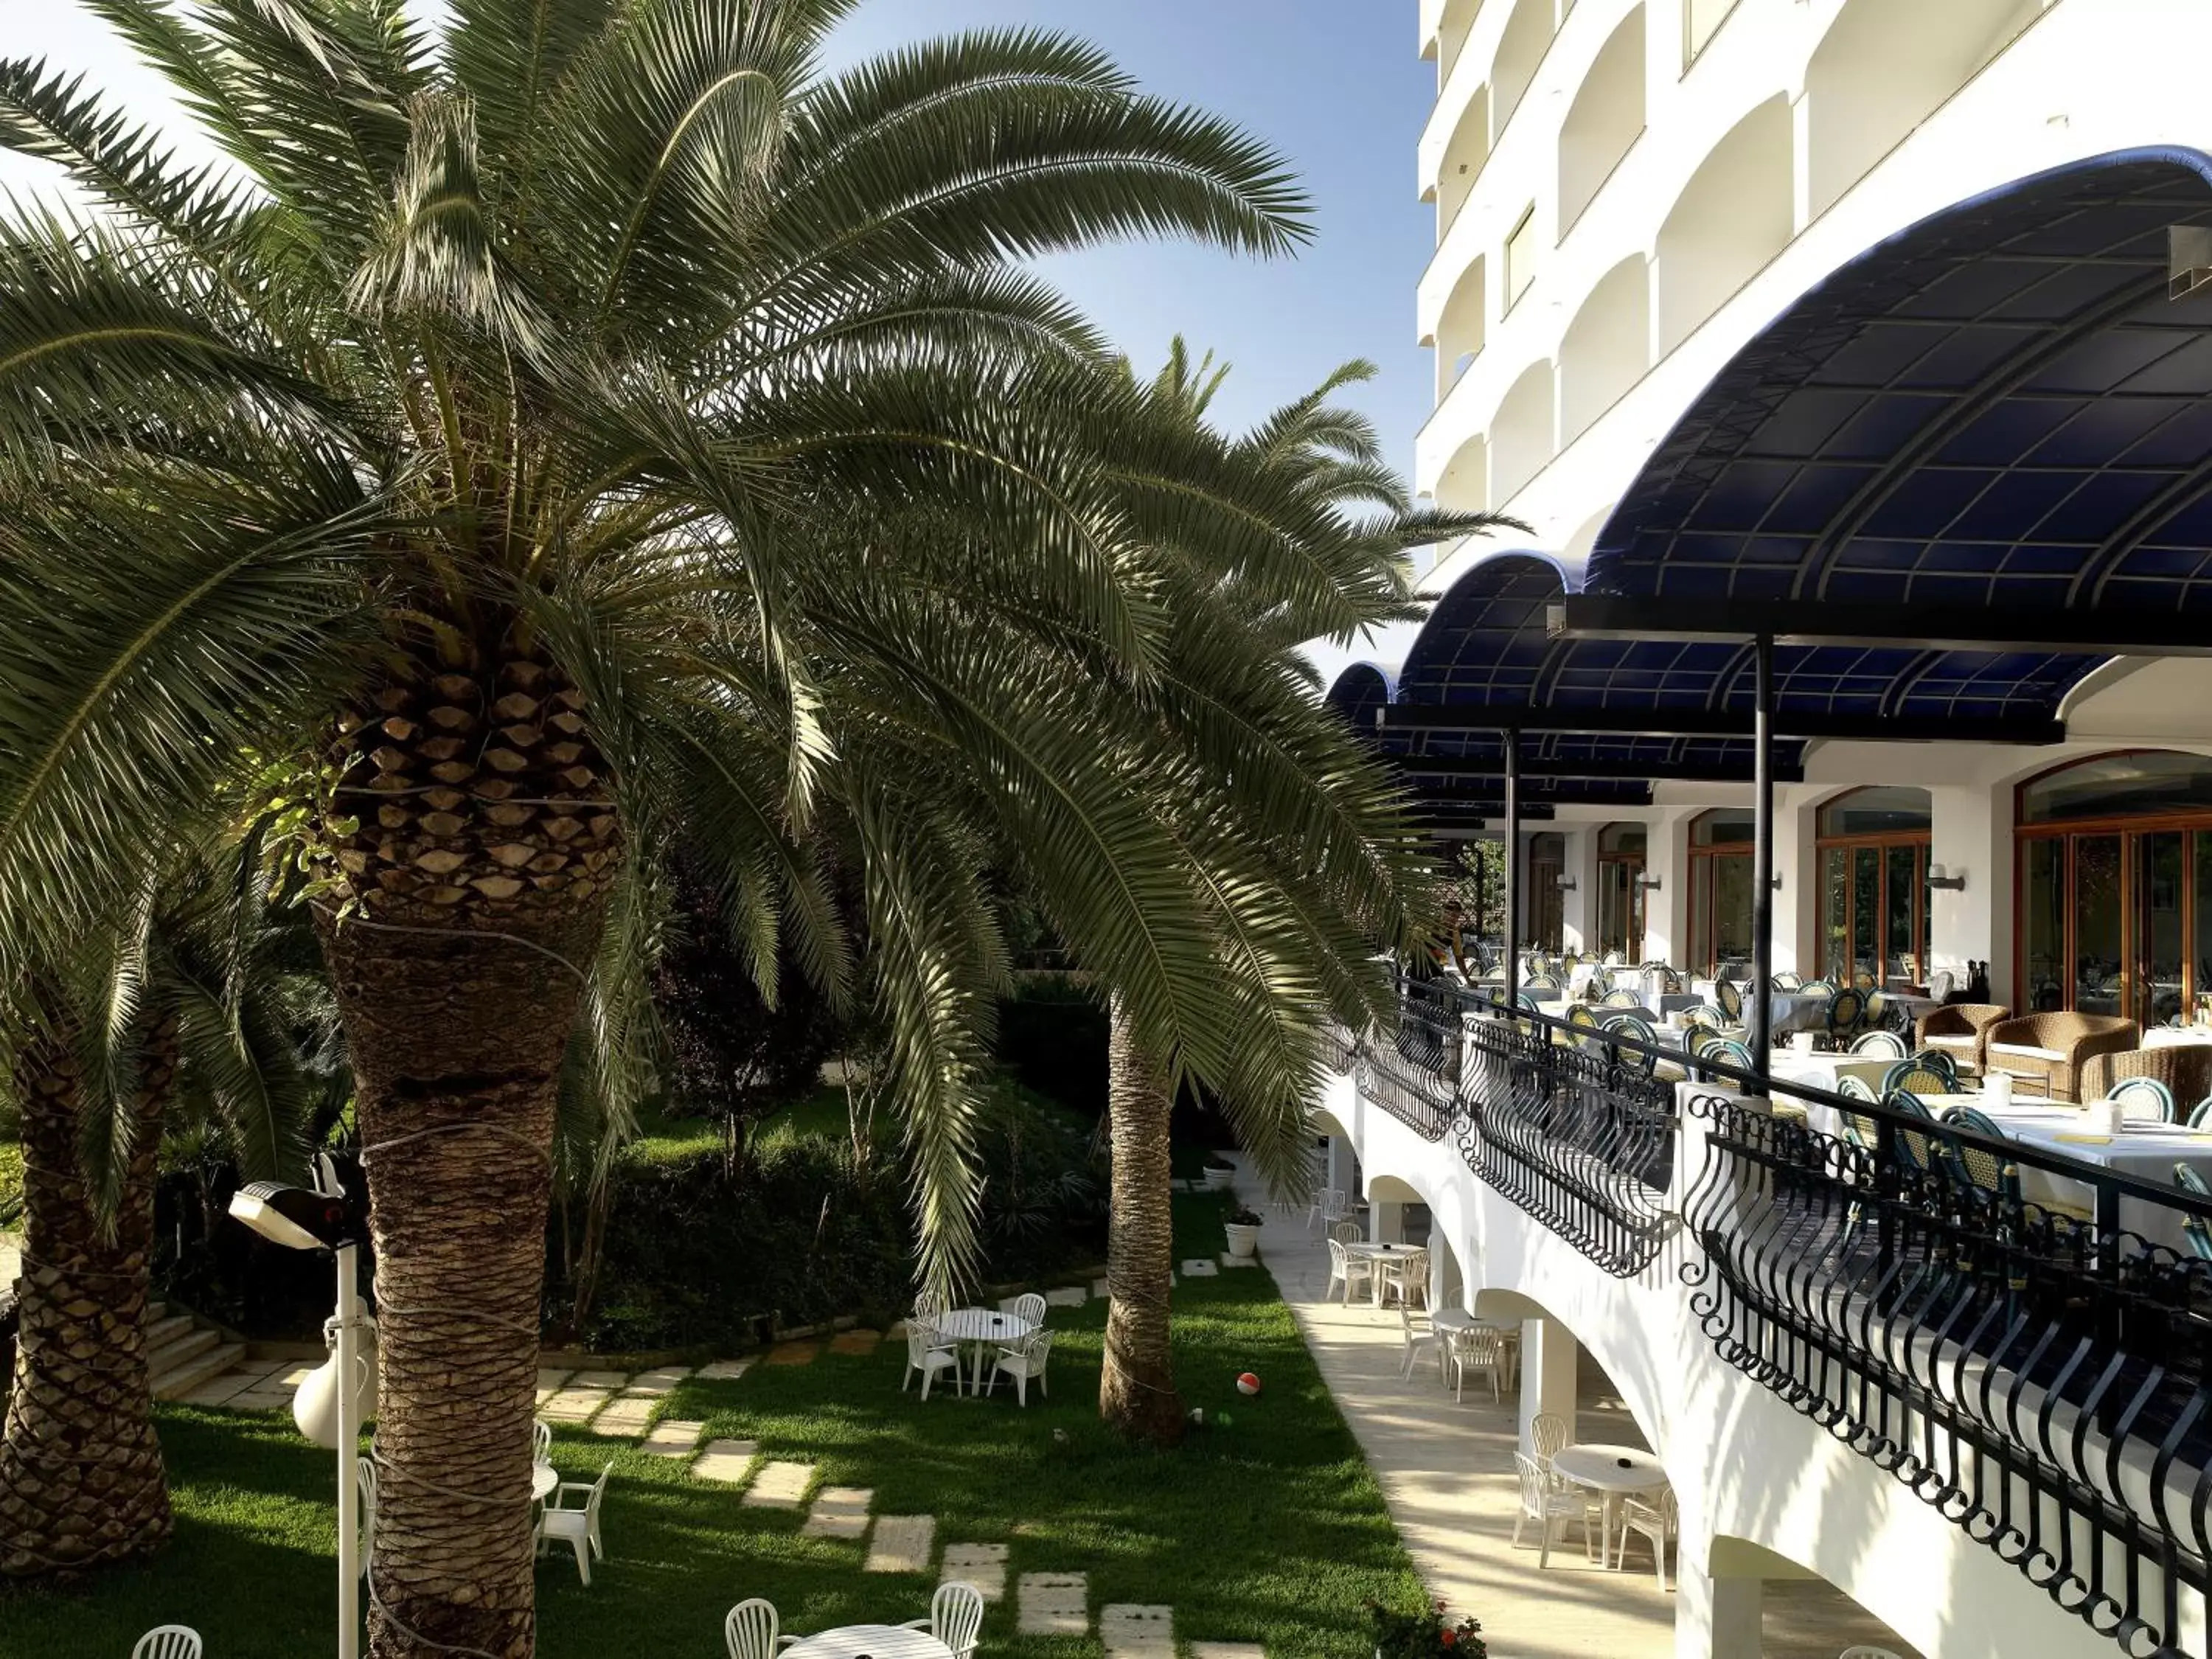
<point x="1446" y="1470"/>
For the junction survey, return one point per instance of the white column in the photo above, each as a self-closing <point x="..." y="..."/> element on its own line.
<point x="1549" y="1354"/>
<point x="1969" y="834"/>
<point x="1715" y="1618"/>
<point x="1578" y="909"/>
<point x="1389" y="1220"/>
<point x="1339" y="1165"/>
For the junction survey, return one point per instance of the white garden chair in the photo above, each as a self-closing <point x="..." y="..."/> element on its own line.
<point x="925" y="1353"/>
<point x="1656" y="1521"/>
<point x="929" y="1307"/>
<point x="1420" y="1339"/>
<point x="1547" y="1506"/>
<point x="1344" y="1269"/>
<point x="576" y="1526"/>
<point x="956" y="1617"/>
<point x="1346" y="1232"/>
<point x="1328" y="1207"/>
<point x="168" y="1642"/>
<point x="541" y="1440"/>
<point x="1478" y="1349"/>
<point x="751" y="1630"/>
<point x="1031" y="1307"/>
<point x="1864" y="1652"/>
<point x="365" y="1478"/>
<point x="1025" y="1364"/>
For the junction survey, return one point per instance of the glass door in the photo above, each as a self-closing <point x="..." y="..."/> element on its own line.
<point x="2158" y="993"/>
<point x="2099" y="923"/>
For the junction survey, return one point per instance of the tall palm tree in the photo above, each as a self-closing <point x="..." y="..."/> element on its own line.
<point x="596" y="417"/>
<point x="177" y="998"/>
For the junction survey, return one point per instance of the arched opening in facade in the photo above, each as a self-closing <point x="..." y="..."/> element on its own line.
<point x="1451" y="35"/>
<point x="1621" y="855"/>
<point x="1464" y="484"/>
<point x="1460" y="328"/>
<point x="1468" y="148"/>
<point x="1521" y="436"/>
<point x="1720" y="891"/>
<point x="2114" y="863"/>
<point x="1521" y="51"/>
<point x="1875" y="908"/>
<point x="1883" y="68"/>
<point x="1736" y="213"/>
<point x="1544" y="907"/>
<point x="1603" y="121"/>
<point x="1607" y="348"/>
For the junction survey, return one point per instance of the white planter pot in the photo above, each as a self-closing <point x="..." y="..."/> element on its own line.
<point x="1218" y="1180"/>
<point x="1244" y="1242"/>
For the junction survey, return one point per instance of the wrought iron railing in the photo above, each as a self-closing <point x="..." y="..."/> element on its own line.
<point x="2036" y="1373"/>
<point x="1342" y="1045"/>
<point x="1573" y="1127"/>
<point x="1413" y="1073"/>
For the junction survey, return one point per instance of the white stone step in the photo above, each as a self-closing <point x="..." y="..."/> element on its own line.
<point x="729" y="1461"/>
<point x="167" y="1328"/>
<point x="902" y="1543"/>
<point x="839" y="1512"/>
<point x="180" y="1349"/>
<point x="202" y="1368"/>
<point x="779" y="1485"/>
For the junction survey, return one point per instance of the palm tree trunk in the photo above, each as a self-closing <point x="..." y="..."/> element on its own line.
<point x="1136" y="1391"/>
<point x="81" y="1483"/>
<point x="457" y="973"/>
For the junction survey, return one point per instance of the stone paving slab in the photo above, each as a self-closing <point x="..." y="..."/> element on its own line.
<point x="839" y="1512"/>
<point x="793" y="1354"/>
<point x="672" y="1438"/>
<point x="983" y="1565"/>
<point x="1132" y="1630"/>
<point x="607" y="1380"/>
<point x="1100" y="1287"/>
<point x="573" y="1404"/>
<point x="261" y="1400"/>
<point x="862" y="1341"/>
<point x="654" y="1383"/>
<point x="1227" y="1650"/>
<point x="1198" y="1267"/>
<point x="725" y="1370"/>
<point x="1067" y="1296"/>
<point x="550" y="1381"/>
<point x="1228" y="1260"/>
<point x="779" y="1485"/>
<point x="1054" y="1604"/>
<point x="221" y="1390"/>
<point x="902" y="1543"/>
<point x="729" y="1461"/>
<point x="628" y="1414"/>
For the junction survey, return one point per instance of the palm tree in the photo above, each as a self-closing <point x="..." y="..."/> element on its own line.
<point x="595" y="418"/>
<point x="175" y="1001"/>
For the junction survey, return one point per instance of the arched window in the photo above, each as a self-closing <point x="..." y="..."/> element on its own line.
<point x="1736" y="214"/>
<point x="1604" y="121"/>
<point x="1607" y="347"/>
<point x="2114" y="862"/>
<point x="1720" y="890"/>
<point x="1521" y="435"/>
<point x="1544" y="907"/>
<point x="1620" y="848"/>
<point x="1875" y="903"/>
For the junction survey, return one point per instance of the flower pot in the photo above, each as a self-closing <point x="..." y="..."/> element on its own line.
<point x="1218" y="1178"/>
<point x="1244" y="1242"/>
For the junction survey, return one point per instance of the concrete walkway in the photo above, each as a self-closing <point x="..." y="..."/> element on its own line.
<point x="1446" y="1470"/>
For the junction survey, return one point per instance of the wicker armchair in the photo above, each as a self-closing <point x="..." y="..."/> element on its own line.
<point x="2186" y="1068"/>
<point x="1959" y="1031"/>
<point x="2052" y="1048"/>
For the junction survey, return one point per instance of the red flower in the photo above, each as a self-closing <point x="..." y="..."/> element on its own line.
<point x="1449" y="1637"/>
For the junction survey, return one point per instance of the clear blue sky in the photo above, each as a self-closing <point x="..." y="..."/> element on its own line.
<point x="1332" y="84"/>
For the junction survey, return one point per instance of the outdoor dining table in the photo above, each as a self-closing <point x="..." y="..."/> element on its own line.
<point x="1828" y="1071"/>
<point x="978" y="1330"/>
<point x="1394" y="1260"/>
<point x="2146" y="1149"/>
<point x="869" y="1642"/>
<point x="1611" y="1472"/>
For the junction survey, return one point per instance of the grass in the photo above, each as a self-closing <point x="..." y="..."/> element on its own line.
<point x="1267" y="1526"/>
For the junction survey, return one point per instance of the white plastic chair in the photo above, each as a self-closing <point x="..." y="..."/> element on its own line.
<point x="1656" y="1521"/>
<point x="1547" y="1506"/>
<point x="1346" y="1232"/>
<point x="1344" y="1269"/>
<point x="925" y="1353"/>
<point x="956" y="1617"/>
<point x="168" y="1642"/>
<point x="1419" y="1339"/>
<point x="1025" y="1364"/>
<point x="1031" y="1307"/>
<point x="1478" y="1349"/>
<point x="365" y="1478"/>
<point x="929" y="1307"/>
<point x="1864" y="1652"/>
<point x="541" y="1440"/>
<point x="1547" y="1434"/>
<point x="751" y="1630"/>
<point x="577" y="1528"/>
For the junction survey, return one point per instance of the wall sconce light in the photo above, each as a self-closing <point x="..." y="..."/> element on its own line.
<point x="1649" y="883"/>
<point x="1777" y="881"/>
<point x="1938" y="879"/>
<point x="1566" y="884"/>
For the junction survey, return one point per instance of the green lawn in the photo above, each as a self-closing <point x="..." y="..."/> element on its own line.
<point x="1266" y="1527"/>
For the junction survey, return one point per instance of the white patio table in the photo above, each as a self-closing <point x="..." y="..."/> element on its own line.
<point x="1611" y="1472"/>
<point x="1394" y="1261"/>
<point x="869" y="1642"/>
<point x="978" y="1330"/>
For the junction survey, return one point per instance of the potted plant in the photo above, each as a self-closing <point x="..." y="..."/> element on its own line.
<point x="1243" y="1226"/>
<point x="1423" y="1635"/>
<point x="1219" y="1172"/>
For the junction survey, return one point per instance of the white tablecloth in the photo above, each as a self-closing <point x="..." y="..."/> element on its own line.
<point x="870" y="1641"/>
<point x="2173" y="1037"/>
<point x="1828" y="1071"/>
<point x="2147" y="1151"/>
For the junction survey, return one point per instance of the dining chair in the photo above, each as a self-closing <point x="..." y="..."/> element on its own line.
<point x="2194" y="1228"/>
<point x="1863" y="1652"/>
<point x="541" y="1440"/>
<point x="1025" y="1362"/>
<point x="956" y="1617"/>
<point x="1420" y="1339"/>
<point x="579" y="1526"/>
<point x="167" y="1641"/>
<point x="1478" y="1349"/>
<point x="929" y="1353"/>
<point x="2143" y="1100"/>
<point x="1346" y="1232"/>
<point x="929" y="1307"/>
<point x="1550" y="1509"/>
<point x="751" y="1630"/>
<point x="1030" y="1306"/>
<point x="1886" y="1044"/>
<point x="1344" y="1269"/>
<point x="1657" y="1523"/>
<point x="2200" y="1114"/>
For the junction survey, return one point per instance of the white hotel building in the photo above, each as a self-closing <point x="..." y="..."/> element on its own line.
<point x="1873" y="327"/>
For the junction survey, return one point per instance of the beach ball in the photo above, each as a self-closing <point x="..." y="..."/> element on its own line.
<point x="1247" y="1383"/>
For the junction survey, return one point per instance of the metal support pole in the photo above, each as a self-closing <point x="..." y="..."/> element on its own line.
<point x="1762" y="863"/>
<point x="348" y="1361"/>
<point x="1512" y="869"/>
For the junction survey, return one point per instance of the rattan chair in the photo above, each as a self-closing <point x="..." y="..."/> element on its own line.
<point x="1879" y="1043"/>
<point x="2144" y="1098"/>
<point x="1917" y="1077"/>
<point x="1961" y="1031"/>
<point x="2053" y="1048"/>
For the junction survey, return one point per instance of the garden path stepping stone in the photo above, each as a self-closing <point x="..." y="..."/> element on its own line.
<point x="902" y="1543"/>
<point x="221" y="1390"/>
<point x="573" y="1404"/>
<point x="1067" y="1296"/>
<point x="1132" y="1630"/>
<point x="728" y="1460"/>
<point x="725" y="1370"/>
<point x="549" y="1382"/>
<point x="1198" y="1267"/>
<point x="1227" y="1650"/>
<point x="779" y="1485"/>
<point x="793" y="1354"/>
<point x="1228" y="1260"/>
<point x="859" y="1341"/>
<point x="609" y="1380"/>
<point x="1100" y="1287"/>
<point x="625" y="1416"/>
<point x="1055" y="1604"/>
<point x="654" y="1383"/>
<point x="983" y="1565"/>
<point x="839" y="1512"/>
<point x="673" y="1439"/>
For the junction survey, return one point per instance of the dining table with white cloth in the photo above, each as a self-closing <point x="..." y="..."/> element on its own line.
<point x="2142" y="1148"/>
<point x="868" y="1642"/>
<point x="1787" y="1066"/>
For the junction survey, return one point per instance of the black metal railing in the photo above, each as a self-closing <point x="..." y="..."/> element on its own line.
<point x="1573" y="1126"/>
<point x="1413" y="1073"/>
<point x="1341" y="1046"/>
<point x="2023" y="1339"/>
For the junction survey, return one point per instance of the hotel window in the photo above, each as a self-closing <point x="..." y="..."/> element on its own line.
<point x="1720" y="891"/>
<point x="1875" y="903"/>
<point x="1701" y="19"/>
<point x="1520" y="257"/>
<point x="1544" y="907"/>
<point x="1620" y="849"/>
